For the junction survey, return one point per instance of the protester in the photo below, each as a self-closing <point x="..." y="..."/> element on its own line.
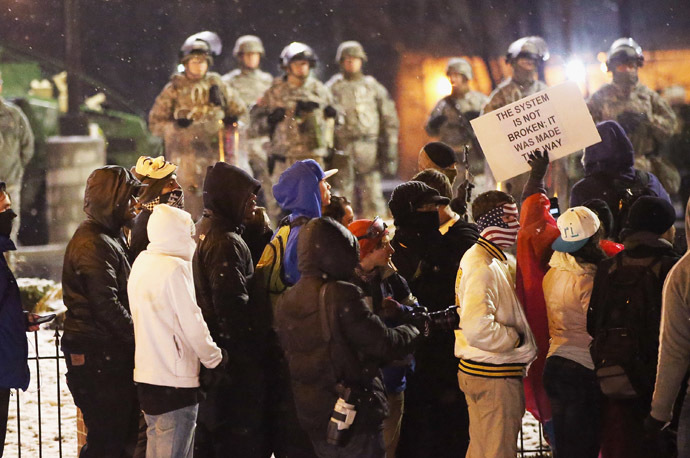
<point x="603" y="212"/>
<point x="234" y="413"/>
<point x="301" y="190"/>
<point x="674" y="351"/>
<point x="14" y="323"/>
<point x="388" y="294"/>
<point x="538" y="230"/>
<point x="335" y="346"/>
<point x="162" y="188"/>
<point x="98" y="342"/>
<point x="495" y="344"/>
<point x="569" y="376"/>
<point x="170" y="334"/>
<point x="624" y="318"/>
<point x="257" y="233"/>
<point x="435" y="421"/>
<point x="610" y="175"/>
<point x="340" y="209"/>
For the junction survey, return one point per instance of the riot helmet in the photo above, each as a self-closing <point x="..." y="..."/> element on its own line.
<point x="624" y="50"/>
<point x="205" y="44"/>
<point x="297" y="51"/>
<point x="532" y="47"/>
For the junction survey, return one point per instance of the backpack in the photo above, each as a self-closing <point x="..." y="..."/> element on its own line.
<point x="270" y="271"/>
<point x="625" y="312"/>
<point x="626" y="193"/>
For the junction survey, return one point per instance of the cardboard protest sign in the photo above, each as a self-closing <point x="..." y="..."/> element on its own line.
<point x="556" y="120"/>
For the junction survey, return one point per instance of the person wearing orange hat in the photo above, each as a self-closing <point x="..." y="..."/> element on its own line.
<point x="387" y="293"/>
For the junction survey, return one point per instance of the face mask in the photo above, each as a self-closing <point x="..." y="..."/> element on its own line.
<point x="494" y="229"/>
<point x="174" y="198"/>
<point x="6" y="218"/>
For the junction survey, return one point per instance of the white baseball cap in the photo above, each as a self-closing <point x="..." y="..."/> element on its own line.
<point x="576" y="225"/>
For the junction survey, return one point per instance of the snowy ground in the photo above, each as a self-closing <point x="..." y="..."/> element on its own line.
<point x="28" y="402"/>
<point x="28" y="405"/>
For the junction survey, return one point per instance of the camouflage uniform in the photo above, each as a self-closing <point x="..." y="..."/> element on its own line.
<point x="16" y="150"/>
<point x="612" y="100"/>
<point x="295" y="137"/>
<point x="251" y="85"/>
<point x="195" y="147"/>
<point x="456" y="130"/>
<point x="368" y="138"/>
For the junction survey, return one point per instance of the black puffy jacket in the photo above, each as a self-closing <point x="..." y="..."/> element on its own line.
<point x="96" y="267"/>
<point x="222" y="263"/>
<point x="360" y="344"/>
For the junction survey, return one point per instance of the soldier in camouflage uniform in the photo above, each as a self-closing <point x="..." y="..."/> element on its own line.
<point x="525" y="55"/>
<point x="296" y="112"/>
<point x="16" y="150"/>
<point x="190" y="115"/>
<point x="251" y="83"/>
<point x="646" y="117"/>
<point x="368" y="137"/>
<point x="450" y="118"/>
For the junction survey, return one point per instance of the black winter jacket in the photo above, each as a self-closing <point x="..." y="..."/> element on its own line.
<point x="222" y="264"/>
<point x="96" y="267"/>
<point x="429" y="262"/>
<point x="360" y="343"/>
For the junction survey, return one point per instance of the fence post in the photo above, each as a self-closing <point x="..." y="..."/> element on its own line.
<point x="57" y="366"/>
<point x="38" y="396"/>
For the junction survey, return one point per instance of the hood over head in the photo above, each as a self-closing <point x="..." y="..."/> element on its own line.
<point x="226" y="191"/>
<point x="106" y="199"/>
<point x="614" y="155"/>
<point x="327" y="248"/>
<point x="297" y="190"/>
<point x="170" y="232"/>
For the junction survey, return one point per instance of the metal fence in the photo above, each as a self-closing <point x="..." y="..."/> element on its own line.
<point x="36" y="359"/>
<point x="538" y="450"/>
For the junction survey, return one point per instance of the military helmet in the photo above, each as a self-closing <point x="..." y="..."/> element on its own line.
<point x="622" y="50"/>
<point x="459" y="65"/>
<point x="352" y="49"/>
<point x="532" y="47"/>
<point x="297" y="51"/>
<point x="205" y="43"/>
<point x="248" y="43"/>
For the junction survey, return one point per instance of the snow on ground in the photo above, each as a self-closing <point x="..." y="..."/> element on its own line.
<point x="28" y="402"/>
<point x="28" y="406"/>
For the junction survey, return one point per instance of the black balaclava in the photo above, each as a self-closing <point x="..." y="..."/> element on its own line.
<point x="6" y="219"/>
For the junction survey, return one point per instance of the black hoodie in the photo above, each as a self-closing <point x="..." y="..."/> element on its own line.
<point x="223" y="266"/>
<point x="360" y="343"/>
<point x="96" y="267"/>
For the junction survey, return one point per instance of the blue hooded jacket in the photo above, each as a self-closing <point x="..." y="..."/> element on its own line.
<point x="297" y="192"/>
<point x="612" y="158"/>
<point x="14" y="371"/>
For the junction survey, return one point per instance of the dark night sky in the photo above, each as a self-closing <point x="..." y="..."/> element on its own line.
<point x="131" y="45"/>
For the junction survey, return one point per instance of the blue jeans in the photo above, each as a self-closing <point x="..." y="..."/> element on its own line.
<point x="575" y="405"/>
<point x="171" y="435"/>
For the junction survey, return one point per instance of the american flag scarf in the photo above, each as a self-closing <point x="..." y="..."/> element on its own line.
<point x="493" y="228"/>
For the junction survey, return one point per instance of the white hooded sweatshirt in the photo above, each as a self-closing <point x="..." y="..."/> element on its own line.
<point x="170" y="333"/>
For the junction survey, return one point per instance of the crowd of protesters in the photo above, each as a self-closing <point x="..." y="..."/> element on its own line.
<point x="333" y="336"/>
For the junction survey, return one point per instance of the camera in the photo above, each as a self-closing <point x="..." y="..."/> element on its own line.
<point x="342" y="417"/>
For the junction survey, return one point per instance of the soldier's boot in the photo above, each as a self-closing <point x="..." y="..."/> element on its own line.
<point x="371" y="202"/>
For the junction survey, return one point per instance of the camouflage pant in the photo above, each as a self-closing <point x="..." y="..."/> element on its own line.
<point x="258" y="162"/>
<point x="359" y="179"/>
